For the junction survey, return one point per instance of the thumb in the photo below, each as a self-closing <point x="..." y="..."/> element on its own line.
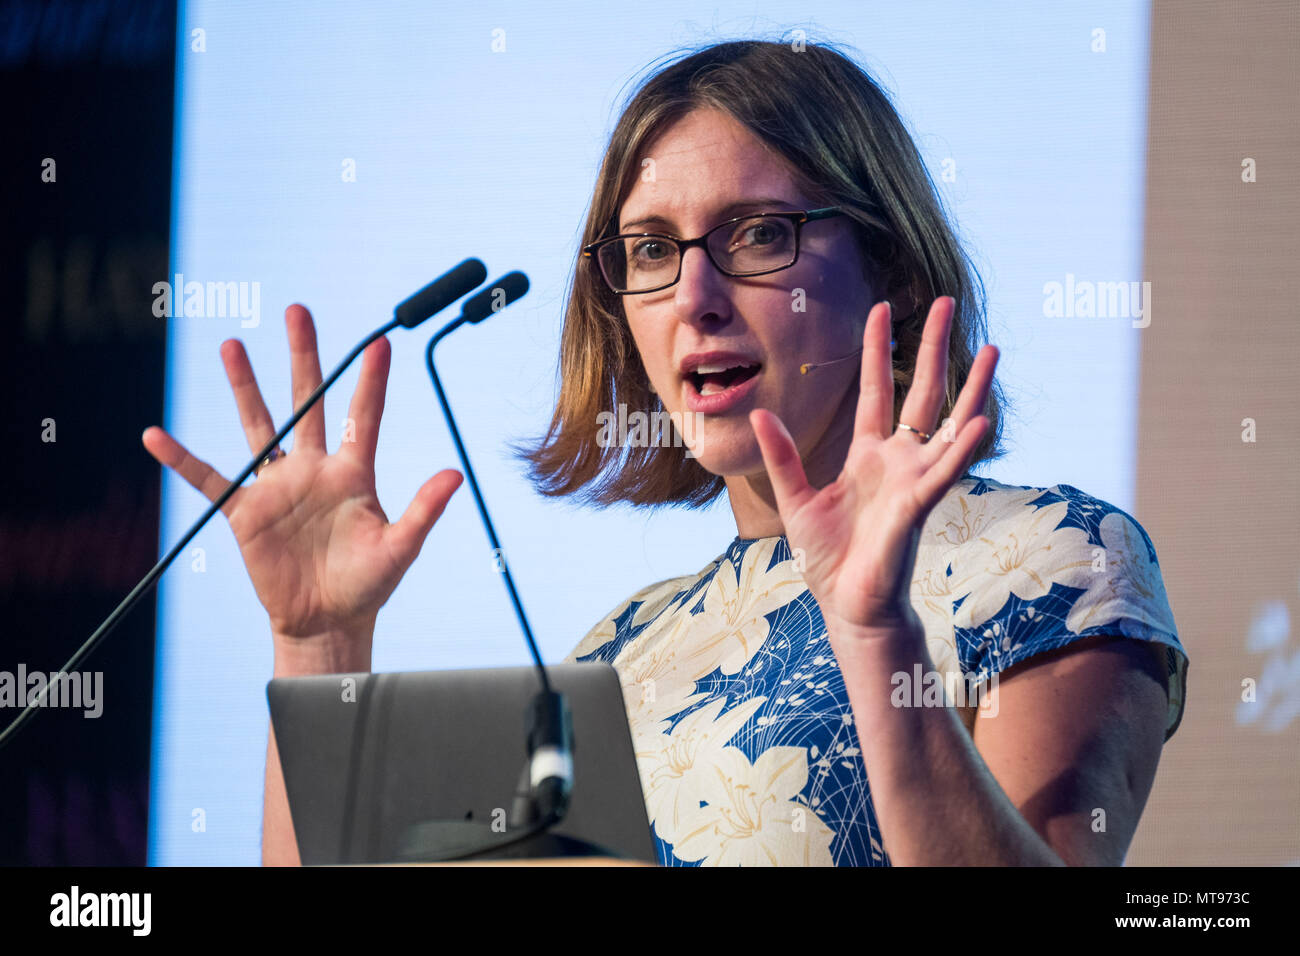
<point x="406" y="536"/>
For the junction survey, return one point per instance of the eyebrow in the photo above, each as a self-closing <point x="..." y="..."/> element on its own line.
<point x="727" y="212"/>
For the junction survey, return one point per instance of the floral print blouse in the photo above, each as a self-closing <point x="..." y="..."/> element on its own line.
<point x="742" y="727"/>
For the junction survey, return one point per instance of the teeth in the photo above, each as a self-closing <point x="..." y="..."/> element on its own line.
<point x="713" y="369"/>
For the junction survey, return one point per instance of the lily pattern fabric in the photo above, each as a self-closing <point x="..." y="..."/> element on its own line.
<point x="743" y="731"/>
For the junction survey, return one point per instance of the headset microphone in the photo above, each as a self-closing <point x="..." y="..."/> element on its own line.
<point x="809" y="366"/>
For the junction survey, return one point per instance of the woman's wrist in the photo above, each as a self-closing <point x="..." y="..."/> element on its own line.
<point x="903" y="628"/>
<point x="330" y="652"/>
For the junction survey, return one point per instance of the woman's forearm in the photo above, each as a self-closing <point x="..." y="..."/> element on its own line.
<point x="335" y="653"/>
<point x="936" y="801"/>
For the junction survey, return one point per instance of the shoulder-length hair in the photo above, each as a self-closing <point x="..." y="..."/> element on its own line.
<point x="846" y="146"/>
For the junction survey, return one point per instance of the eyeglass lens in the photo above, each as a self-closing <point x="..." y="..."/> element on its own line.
<point x="753" y="245"/>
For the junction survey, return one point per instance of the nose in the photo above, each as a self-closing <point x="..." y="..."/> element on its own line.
<point x="701" y="294"/>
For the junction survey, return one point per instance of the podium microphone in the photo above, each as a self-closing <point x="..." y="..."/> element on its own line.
<point x="546" y="783"/>
<point x="430" y="300"/>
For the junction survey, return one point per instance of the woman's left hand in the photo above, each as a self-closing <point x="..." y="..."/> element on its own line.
<point x="859" y="534"/>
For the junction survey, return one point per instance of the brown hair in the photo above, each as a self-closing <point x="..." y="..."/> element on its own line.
<point x="847" y="147"/>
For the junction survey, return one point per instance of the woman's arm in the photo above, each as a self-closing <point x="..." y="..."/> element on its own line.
<point x="1058" y="770"/>
<point x="1074" y="741"/>
<point x="330" y="653"/>
<point x="318" y="547"/>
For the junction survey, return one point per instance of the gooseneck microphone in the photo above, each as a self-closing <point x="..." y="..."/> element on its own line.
<point x="489" y="301"/>
<point x="430" y="300"/>
<point x="547" y="781"/>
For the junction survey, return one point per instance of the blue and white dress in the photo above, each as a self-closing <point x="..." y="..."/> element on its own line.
<point x="743" y="731"/>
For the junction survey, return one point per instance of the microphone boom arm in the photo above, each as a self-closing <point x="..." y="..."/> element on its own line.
<point x="497" y="551"/>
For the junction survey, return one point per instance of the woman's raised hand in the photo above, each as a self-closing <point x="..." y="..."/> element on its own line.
<point x="319" y="549"/>
<point x="859" y="534"/>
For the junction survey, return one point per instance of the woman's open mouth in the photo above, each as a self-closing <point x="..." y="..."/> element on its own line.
<point x="716" y="387"/>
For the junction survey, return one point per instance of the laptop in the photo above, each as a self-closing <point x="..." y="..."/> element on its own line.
<point x="408" y="767"/>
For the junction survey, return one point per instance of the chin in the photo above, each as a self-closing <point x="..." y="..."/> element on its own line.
<point x="730" y="457"/>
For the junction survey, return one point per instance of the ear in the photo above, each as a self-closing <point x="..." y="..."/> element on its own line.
<point x="903" y="302"/>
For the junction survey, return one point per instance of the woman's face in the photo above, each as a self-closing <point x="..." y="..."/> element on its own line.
<point x="707" y="168"/>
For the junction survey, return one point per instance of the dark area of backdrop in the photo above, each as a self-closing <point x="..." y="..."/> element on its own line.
<point x="87" y="94"/>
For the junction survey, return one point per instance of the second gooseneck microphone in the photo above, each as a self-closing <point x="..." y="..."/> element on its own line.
<point x="549" y="771"/>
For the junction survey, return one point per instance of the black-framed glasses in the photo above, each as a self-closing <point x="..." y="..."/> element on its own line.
<point x="754" y="245"/>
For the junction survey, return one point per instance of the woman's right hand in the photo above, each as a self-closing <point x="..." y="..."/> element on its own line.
<point x="319" y="549"/>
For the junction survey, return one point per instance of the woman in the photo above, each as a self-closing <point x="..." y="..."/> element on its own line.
<point x="761" y="228"/>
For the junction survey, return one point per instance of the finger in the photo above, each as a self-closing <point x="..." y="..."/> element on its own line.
<point x="406" y="537"/>
<point x="875" y="414"/>
<point x="781" y="458"/>
<point x="971" y="401"/>
<point x="975" y="392"/>
<point x="259" y="427"/>
<point x="367" y="406"/>
<point x="952" y="463"/>
<point x="925" y="398"/>
<point x="304" y="365"/>
<point x="202" y="476"/>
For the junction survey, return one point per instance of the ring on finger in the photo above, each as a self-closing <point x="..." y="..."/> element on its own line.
<point x="925" y="436"/>
<point x="276" y="453"/>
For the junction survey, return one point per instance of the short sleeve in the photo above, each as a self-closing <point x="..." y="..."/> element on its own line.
<point x="1051" y="566"/>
